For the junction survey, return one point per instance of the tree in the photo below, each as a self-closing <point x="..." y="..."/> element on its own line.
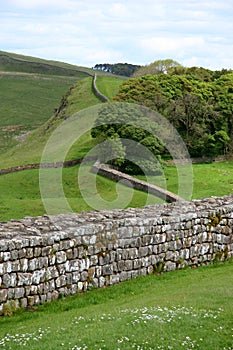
<point x="194" y="119"/>
<point x="157" y="67"/>
<point x="125" y="69"/>
<point x="134" y="148"/>
<point x="198" y="105"/>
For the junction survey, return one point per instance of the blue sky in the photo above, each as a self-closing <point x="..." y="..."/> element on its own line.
<point x="192" y="32"/>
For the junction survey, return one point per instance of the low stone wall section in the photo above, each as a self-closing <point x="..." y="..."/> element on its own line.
<point x="102" y="97"/>
<point x="65" y="164"/>
<point x="45" y="257"/>
<point x="115" y="175"/>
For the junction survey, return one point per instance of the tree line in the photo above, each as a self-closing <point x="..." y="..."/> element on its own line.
<point x="125" y="69"/>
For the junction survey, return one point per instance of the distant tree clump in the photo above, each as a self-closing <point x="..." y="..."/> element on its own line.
<point x="157" y="67"/>
<point x="124" y="69"/>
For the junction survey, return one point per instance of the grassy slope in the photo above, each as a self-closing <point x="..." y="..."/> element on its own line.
<point x="190" y="309"/>
<point x="11" y="62"/>
<point x="27" y="102"/>
<point x="30" y="89"/>
<point x="30" y="100"/>
<point x="30" y="151"/>
<point x="24" y="197"/>
<point x="109" y="85"/>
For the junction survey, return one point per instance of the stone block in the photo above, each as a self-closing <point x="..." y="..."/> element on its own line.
<point x="128" y="265"/>
<point x="9" y="280"/>
<point x="32" y="264"/>
<point x="142" y="251"/>
<point x="107" y="270"/>
<point x="60" y="281"/>
<point x="84" y="276"/>
<point x="169" y="266"/>
<point x="29" y="253"/>
<point x="102" y="281"/>
<point x="23" y="302"/>
<point x="24" y="279"/>
<point x="46" y="251"/>
<point x="3" y="295"/>
<point x="37" y="252"/>
<point x="114" y="279"/>
<point x="61" y="257"/>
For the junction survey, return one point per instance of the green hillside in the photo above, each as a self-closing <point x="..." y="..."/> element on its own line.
<point x="24" y="197"/>
<point x="34" y="105"/>
<point x="11" y="62"/>
<point x="32" y="88"/>
<point x="108" y="85"/>
<point x="30" y="150"/>
<point x="27" y="101"/>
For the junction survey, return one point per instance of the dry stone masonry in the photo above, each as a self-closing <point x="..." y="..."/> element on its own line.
<point x="45" y="257"/>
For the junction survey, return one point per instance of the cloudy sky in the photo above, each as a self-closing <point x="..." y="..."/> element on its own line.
<point x="192" y="32"/>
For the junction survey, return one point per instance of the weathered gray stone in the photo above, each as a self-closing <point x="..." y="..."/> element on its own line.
<point x="29" y="253"/>
<point x="169" y="266"/>
<point x="24" y="279"/>
<point x="114" y="279"/>
<point x="142" y="251"/>
<point x="61" y="257"/>
<point x="102" y="281"/>
<point x="38" y="276"/>
<point x="51" y="272"/>
<point x="9" y="280"/>
<point x="102" y="248"/>
<point x="60" y="281"/>
<point x="84" y="276"/>
<point x="128" y="265"/>
<point x="107" y="270"/>
<point x="3" y="295"/>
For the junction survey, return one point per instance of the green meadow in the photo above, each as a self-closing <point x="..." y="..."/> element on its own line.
<point x="188" y="309"/>
<point x="20" y="192"/>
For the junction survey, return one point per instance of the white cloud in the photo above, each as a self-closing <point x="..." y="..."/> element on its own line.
<point x="192" y="32"/>
<point x="169" y="45"/>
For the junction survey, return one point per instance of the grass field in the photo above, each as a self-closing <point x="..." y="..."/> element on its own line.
<point x="209" y="179"/>
<point x="108" y="86"/>
<point x="30" y="150"/>
<point x="36" y="110"/>
<point x="189" y="309"/>
<point x="29" y="101"/>
<point x="24" y="196"/>
<point x="31" y="88"/>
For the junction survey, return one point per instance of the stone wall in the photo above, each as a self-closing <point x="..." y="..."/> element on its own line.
<point x="65" y="164"/>
<point x="42" y="258"/>
<point x="113" y="174"/>
<point x="102" y="97"/>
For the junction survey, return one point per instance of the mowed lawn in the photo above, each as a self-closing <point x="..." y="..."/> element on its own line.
<point x="188" y="309"/>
